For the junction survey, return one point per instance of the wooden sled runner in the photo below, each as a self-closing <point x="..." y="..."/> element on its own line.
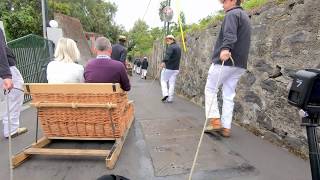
<point x="93" y="111"/>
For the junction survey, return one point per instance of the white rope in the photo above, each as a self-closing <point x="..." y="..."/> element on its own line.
<point x="204" y="126"/>
<point x="9" y="128"/>
<point x="232" y="60"/>
<point x="157" y="76"/>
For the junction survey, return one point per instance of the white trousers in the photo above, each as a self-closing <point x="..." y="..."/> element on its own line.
<point x="134" y="67"/>
<point x="229" y="78"/>
<point x="168" y="76"/>
<point x="138" y="70"/>
<point x="15" y="103"/>
<point x="143" y="73"/>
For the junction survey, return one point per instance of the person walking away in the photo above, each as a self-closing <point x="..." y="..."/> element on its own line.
<point x="64" y="69"/>
<point x="135" y="65"/>
<point x="119" y="51"/>
<point x="139" y="66"/>
<point x="11" y="80"/>
<point x="144" y="67"/>
<point x="232" y="48"/>
<point x="170" y="69"/>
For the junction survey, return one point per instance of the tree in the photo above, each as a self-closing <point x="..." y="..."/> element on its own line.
<point x="157" y="33"/>
<point x="140" y="39"/>
<point x="4" y="7"/>
<point x="23" y="19"/>
<point x="175" y="29"/>
<point x="95" y="15"/>
<point x="59" y="7"/>
<point x="183" y="18"/>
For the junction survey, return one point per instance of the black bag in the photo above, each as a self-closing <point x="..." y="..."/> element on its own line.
<point x="112" y="177"/>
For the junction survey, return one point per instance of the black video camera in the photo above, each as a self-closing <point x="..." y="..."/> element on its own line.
<point x="305" y="94"/>
<point x="305" y="90"/>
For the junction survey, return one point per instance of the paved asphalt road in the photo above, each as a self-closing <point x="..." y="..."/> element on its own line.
<point x="160" y="146"/>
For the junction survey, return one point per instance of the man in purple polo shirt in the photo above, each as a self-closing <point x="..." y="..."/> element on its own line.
<point x="103" y="69"/>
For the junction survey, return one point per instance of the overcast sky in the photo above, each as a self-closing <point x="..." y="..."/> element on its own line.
<point x="131" y="10"/>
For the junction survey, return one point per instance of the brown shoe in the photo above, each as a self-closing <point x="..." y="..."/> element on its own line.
<point x="226" y="132"/>
<point x="215" y="125"/>
<point x="20" y="131"/>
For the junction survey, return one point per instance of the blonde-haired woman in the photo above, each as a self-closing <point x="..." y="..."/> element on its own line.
<point x="64" y="69"/>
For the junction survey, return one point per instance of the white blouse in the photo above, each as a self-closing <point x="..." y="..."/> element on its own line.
<point x="61" y="72"/>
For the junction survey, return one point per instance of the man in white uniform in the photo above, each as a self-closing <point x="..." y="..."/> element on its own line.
<point x="11" y="79"/>
<point x="232" y="48"/>
<point x="170" y="69"/>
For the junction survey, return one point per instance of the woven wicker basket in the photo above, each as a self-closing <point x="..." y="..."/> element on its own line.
<point x="81" y="110"/>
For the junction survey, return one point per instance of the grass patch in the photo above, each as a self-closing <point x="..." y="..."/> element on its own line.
<point x="214" y="19"/>
<point x="205" y="22"/>
<point x="254" y="4"/>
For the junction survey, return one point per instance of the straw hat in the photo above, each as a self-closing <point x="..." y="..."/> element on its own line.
<point x="121" y="37"/>
<point x="170" y="37"/>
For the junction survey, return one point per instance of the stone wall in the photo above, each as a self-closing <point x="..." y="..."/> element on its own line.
<point x="285" y="38"/>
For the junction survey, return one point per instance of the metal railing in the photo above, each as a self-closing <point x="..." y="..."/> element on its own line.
<point x="33" y="53"/>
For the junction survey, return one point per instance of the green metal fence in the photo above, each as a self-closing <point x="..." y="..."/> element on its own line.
<point x="33" y="53"/>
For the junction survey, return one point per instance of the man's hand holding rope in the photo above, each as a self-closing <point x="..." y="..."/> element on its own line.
<point x="225" y="55"/>
<point x="7" y="84"/>
<point x="162" y="65"/>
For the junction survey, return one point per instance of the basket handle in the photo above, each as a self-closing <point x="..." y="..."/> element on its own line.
<point x="74" y="105"/>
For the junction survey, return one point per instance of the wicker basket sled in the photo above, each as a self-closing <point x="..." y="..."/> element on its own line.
<point x="95" y="111"/>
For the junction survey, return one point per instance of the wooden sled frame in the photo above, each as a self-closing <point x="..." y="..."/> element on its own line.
<point x="38" y="148"/>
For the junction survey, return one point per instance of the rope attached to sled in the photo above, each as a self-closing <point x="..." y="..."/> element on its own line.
<point x="6" y="93"/>
<point x="204" y="127"/>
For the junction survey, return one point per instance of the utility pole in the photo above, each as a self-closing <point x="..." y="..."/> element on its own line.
<point x="168" y="25"/>
<point x="165" y="30"/>
<point x="44" y="24"/>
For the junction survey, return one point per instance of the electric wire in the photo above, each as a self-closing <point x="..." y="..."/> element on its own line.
<point x="146" y="10"/>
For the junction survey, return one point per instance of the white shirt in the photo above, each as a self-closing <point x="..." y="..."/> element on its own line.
<point x="103" y="57"/>
<point x="61" y="72"/>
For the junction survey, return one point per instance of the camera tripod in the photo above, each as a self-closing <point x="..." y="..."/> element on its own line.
<point x="311" y="122"/>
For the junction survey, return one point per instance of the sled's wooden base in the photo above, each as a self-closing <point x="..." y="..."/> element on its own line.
<point x="38" y="148"/>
